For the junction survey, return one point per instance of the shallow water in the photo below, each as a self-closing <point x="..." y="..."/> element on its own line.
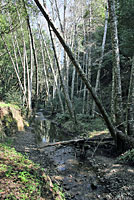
<point x="47" y="131"/>
<point x="70" y="168"/>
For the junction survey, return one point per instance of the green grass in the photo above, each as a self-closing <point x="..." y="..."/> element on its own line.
<point x="23" y="179"/>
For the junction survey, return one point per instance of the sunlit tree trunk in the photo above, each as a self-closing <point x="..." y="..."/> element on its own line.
<point x="15" y="68"/>
<point x="65" y="91"/>
<point x="34" y="52"/>
<point x="59" y="18"/>
<point x="44" y="65"/>
<point x="53" y="71"/>
<point x="88" y="53"/>
<point x="25" y="65"/>
<point x="74" y="70"/>
<point x="101" y="60"/>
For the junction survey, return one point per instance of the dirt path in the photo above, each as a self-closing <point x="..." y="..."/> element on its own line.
<point x="94" y="178"/>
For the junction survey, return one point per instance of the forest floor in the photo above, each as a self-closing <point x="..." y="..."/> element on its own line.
<point x="105" y="178"/>
<point x="97" y="175"/>
<point x="21" y="178"/>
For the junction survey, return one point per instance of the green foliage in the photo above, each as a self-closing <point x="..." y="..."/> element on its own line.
<point x="126" y="28"/>
<point x="127" y="157"/>
<point x="2" y="104"/>
<point x="62" y="117"/>
<point x="22" y="179"/>
<point x="85" y="124"/>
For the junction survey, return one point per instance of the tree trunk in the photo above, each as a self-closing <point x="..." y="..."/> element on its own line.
<point x="101" y="60"/>
<point x="130" y="105"/>
<point x="74" y="70"/>
<point x="13" y="63"/>
<point x="34" y="51"/>
<point x="53" y="71"/>
<point x="68" y="101"/>
<point x="88" y="54"/>
<point x="116" y="64"/>
<point x="44" y="65"/>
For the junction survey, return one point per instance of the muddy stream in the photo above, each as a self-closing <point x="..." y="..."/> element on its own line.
<point x="65" y="164"/>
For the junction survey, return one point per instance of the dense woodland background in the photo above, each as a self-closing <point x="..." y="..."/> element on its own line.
<point x="36" y="72"/>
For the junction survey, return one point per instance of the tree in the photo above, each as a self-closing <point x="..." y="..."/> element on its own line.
<point x="119" y="137"/>
<point x="130" y="104"/>
<point x="117" y="107"/>
<point x="101" y="59"/>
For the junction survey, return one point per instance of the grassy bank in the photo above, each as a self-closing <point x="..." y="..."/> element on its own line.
<point x="23" y="179"/>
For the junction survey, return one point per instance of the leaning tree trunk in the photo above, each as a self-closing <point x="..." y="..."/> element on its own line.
<point x="127" y="141"/>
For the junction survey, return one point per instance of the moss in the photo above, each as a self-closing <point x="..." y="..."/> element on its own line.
<point x="23" y="179"/>
<point x="2" y="105"/>
<point x="10" y="119"/>
<point x="86" y="125"/>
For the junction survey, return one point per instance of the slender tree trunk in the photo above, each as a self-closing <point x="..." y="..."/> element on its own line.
<point x="44" y="65"/>
<point x="68" y="102"/>
<point x="84" y="68"/>
<point x="116" y="64"/>
<point x="59" y="18"/>
<point x="25" y="65"/>
<point x="15" y="68"/>
<point x="53" y="71"/>
<point x="130" y="105"/>
<point x="74" y="70"/>
<point x="101" y="60"/>
<point x="28" y="85"/>
<point x="88" y="53"/>
<point x="24" y="71"/>
<point x="34" y="51"/>
<point x="31" y="71"/>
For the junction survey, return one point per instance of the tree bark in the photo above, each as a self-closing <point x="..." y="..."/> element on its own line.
<point x="116" y="65"/>
<point x="65" y="91"/>
<point x="34" y="51"/>
<point x="53" y="71"/>
<point x="130" y="104"/>
<point x="101" y="60"/>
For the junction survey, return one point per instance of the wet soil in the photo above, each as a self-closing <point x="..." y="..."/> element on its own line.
<point x="94" y="176"/>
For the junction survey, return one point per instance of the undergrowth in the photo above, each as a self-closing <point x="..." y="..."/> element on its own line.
<point x="127" y="157"/>
<point x="85" y="124"/>
<point x="23" y="179"/>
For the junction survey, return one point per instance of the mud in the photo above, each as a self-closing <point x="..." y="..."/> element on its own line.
<point x="81" y="177"/>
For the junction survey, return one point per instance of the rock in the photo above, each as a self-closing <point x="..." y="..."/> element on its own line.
<point x="94" y="185"/>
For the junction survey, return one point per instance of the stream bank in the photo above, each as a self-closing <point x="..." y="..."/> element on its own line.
<point x="82" y="178"/>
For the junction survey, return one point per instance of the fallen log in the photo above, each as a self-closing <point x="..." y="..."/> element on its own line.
<point x="76" y="141"/>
